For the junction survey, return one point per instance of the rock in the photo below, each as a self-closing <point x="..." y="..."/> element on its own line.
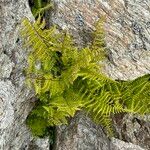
<point x="134" y="129"/>
<point x="39" y="144"/>
<point x="117" y="144"/>
<point x="15" y="97"/>
<point x="81" y="134"/>
<point x="128" y="41"/>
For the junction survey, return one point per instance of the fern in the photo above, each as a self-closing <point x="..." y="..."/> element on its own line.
<point x="136" y="95"/>
<point x="66" y="79"/>
<point x="98" y="45"/>
<point x="101" y="99"/>
<point x="39" y="7"/>
<point x="52" y="73"/>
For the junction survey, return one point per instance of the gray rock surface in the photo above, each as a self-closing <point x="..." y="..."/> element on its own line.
<point x="128" y="40"/>
<point x="81" y="134"/>
<point x="134" y="129"/>
<point x="121" y="145"/>
<point x="15" y="98"/>
<point x="39" y="144"/>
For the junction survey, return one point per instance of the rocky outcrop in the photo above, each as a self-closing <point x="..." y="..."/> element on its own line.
<point x="134" y="129"/>
<point x="117" y="144"/>
<point x="15" y="98"/>
<point x="81" y="134"/>
<point x="128" y="40"/>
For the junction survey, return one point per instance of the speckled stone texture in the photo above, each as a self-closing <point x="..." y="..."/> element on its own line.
<point x="128" y="40"/>
<point x="121" y="145"/>
<point x="134" y="129"/>
<point x="15" y="98"/>
<point x="81" y="134"/>
<point x="127" y="31"/>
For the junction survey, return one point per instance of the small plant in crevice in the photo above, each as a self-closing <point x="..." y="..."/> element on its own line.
<point x="39" y="7"/>
<point x="66" y="79"/>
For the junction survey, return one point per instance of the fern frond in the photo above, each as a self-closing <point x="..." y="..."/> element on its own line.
<point x="39" y="7"/>
<point x="66" y="79"/>
<point x="69" y="102"/>
<point x="55" y="117"/>
<point x="136" y="96"/>
<point x="103" y="102"/>
<point x="98" y="46"/>
<point x="92" y="74"/>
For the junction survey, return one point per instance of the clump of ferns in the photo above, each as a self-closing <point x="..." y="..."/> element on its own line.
<point x="66" y="79"/>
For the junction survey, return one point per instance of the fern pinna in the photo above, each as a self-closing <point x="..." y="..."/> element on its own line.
<point x="66" y="79"/>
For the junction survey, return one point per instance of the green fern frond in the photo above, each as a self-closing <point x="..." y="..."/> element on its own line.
<point x="39" y="7"/>
<point x="66" y="79"/>
<point x="103" y="102"/>
<point x="98" y="45"/>
<point x="55" y="117"/>
<point x="69" y="102"/>
<point x="136" y="95"/>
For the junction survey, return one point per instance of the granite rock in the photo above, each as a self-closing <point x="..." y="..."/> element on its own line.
<point x="15" y="97"/>
<point x="128" y="41"/>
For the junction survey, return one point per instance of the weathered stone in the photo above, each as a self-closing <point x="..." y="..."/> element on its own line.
<point x="15" y="98"/>
<point x="121" y="145"/>
<point x="126" y="27"/>
<point x="134" y="129"/>
<point x="81" y="134"/>
<point x="39" y="144"/>
<point x="6" y="66"/>
<point x="128" y="41"/>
